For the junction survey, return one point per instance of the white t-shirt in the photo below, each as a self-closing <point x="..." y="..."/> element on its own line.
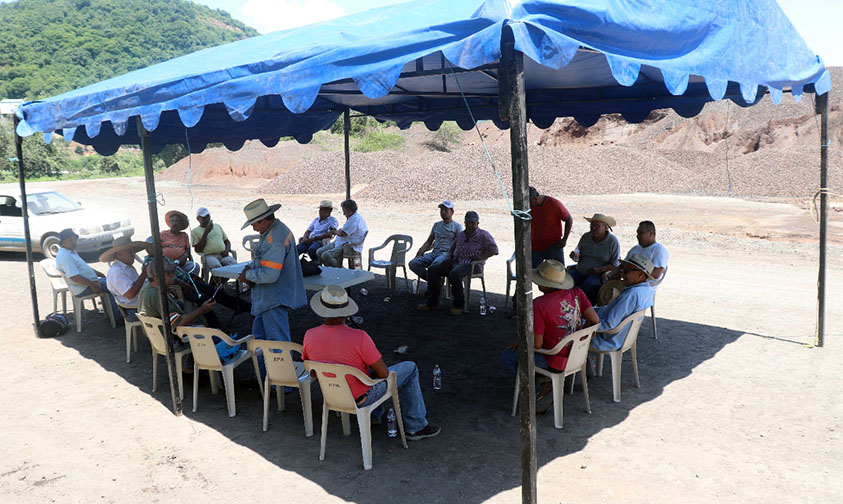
<point x="444" y="235"/>
<point x="656" y="253"/>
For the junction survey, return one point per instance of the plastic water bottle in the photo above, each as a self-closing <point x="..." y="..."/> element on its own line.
<point x="391" y="424"/>
<point x="483" y="305"/>
<point x="437" y="377"/>
<point x="416" y="286"/>
<point x="364" y="291"/>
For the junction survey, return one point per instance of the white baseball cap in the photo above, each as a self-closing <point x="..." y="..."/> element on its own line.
<point x="202" y="212"/>
<point x="447" y="204"/>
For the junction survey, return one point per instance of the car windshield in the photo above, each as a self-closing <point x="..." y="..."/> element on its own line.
<point x="50" y="203"/>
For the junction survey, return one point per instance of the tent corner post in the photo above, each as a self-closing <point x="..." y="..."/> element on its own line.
<point x="822" y="109"/>
<point x="26" y="235"/>
<point x="152" y="201"/>
<point x="513" y="107"/>
<point x="346" y="127"/>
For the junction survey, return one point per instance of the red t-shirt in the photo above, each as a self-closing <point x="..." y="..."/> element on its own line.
<point x="174" y="245"/>
<point x="341" y="344"/>
<point x="546" y="225"/>
<point x="556" y="314"/>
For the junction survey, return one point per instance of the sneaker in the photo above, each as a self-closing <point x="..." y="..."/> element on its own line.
<point x="425" y="307"/>
<point x="429" y="431"/>
<point x="456" y="311"/>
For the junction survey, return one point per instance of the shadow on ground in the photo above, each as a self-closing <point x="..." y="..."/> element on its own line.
<point x="473" y="407"/>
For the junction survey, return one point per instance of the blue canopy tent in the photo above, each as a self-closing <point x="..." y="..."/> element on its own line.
<point x="427" y="60"/>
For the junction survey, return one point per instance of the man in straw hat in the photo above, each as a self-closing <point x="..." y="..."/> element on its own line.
<point x="82" y="279"/>
<point x="318" y="233"/>
<point x="336" y="343"/>
<point x="442" y="236"/>
<point x="175" y="243"/>
<point x="636" y="295"/>
<point x="598" y="252"/>
<point x="275" y="272"/>
<point x="122" y="279"/>
<point x="559" y="311"/>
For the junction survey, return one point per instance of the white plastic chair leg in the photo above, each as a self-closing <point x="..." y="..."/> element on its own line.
<point x="215" y="388"/>
<point x="77" y="312"/>
<point x="179" y="375"/>
<point x="55" y="301"/>
<point x="324" y="430"/>
<point x="196" y="384"/>
<point x="653" y="318"/>
<point x="307" y="407"/>
<point x="129" y="331"/>
<point x="364" y="423"/>
<point x="396" y="405"/>
<point x="406" y="280"/>
<point x="585" y="390"/>
<point x="154" y="370"/>
<point x="346" y="424"/>
<point x="266" y="404"/>
<point x="633" y="352"/>
<point x="515" y="395"/>
<point x="279" y="394"/>
<point x="106" y="306"/>
<point x="228" y="383"/>
<point x="600" y="364"/>
<point x="617" y="359"/>
<point x="64" y="302"/>
<point x="558" y="382"/>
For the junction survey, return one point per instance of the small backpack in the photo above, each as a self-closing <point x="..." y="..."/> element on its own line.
<point x="55" y="324"/>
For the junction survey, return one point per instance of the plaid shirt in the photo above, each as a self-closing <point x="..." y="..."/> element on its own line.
<point x="467" y="248"/>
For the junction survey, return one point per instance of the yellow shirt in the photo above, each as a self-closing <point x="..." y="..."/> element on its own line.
<point x="214" y="244"/>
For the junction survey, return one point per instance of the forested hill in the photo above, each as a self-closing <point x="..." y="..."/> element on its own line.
<point x="48" y="47"/>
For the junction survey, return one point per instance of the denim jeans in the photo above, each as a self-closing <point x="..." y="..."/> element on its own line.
<point x="420" y="265"/>
<point x="114" y="308"/>
<point x="409" y="393"/>
<point x="590" y="284"/>
<point x="551" y="253"/>
<point x="510" y="360"/>
<point x="455" y="276"/>
<point x="273" y="324"/>
<point x="310" y="248"/>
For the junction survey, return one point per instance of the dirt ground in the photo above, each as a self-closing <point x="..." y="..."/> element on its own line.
<point x="734" y="405"/>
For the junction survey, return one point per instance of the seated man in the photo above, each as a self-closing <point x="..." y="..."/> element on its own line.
<point x="336" y="343"/>
<point x="175" y="242"/>
<point x="636" y="296"/>
<point x="81" y="278"/>
<point x="557" y="313"/>
<point x="598" y="252"/>
<point x="473" y="244"/>
<point x="210" y="240"/>
<point x="442" y="236"/>
<point x="649" y="248"/>
<point x="350" y="237"/>
<point x="149" y="302"/>
<point x="122" y="279"/>
<point x="318" y="233"/>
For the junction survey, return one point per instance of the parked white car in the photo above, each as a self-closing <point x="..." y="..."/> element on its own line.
<point x="49" y="213"/>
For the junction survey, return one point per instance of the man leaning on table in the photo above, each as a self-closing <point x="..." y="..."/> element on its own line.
<point x="275" y="272"/>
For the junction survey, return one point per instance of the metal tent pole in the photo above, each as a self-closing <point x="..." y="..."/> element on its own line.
<point x="27" y="238"/>
<point x="346" y="127"/>
<point x="822" y="109"/>
<point x="152" y="200"/>
<point x="513" y="108"/>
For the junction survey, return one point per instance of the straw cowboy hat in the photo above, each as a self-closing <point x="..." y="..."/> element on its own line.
<point x="333" y="302"/>
<point x="641" y="263"/>
<point x="257" y="210"/>
<point x="609" y="291"/>
<point x="183" y="217"/>
<point x="551" y="273"/>
<point x="121" y="244"/>
<point x="326" y="204"/>
<point x="599" y="217"/>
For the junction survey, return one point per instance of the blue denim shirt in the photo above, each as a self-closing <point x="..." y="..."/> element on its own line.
<point x="276" y="271"/>
<point x="632" y="299"/>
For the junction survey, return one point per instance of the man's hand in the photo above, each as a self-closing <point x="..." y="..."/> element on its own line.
<point x="208" y="306"/>
<point x="224" y="253"/>
<point x="209" y="227"/>
<point x="96" y="287"/>
<point x="560" y="243"/>
<point x="513" y="346"/>
<point x="242" y="276"/>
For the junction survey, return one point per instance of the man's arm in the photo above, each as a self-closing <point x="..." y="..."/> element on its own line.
<point x="188" y="318"/>
<point x="657" y="273"/>
<point x="200" y="245"/>
<point x="380" y="369"/>
<point x="136" y="285"/>
<point x="490" y="248"/>
<point x="569" y="223"/>
<point x="269" y="268"/>
<point x="227" y="248"/>
<point x="95" y="286"/>
<point x="424" y="247"/>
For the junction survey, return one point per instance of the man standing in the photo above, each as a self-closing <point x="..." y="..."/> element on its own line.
<point x="649" y="248"/>
<point x="336" y="343"/>
<point x="547" y="237"/>
<point x="442" y="236"/>
<point x="473" y="244"/>
<point x="81" y="278"/>
<point x="122" y="279"/>
<point x="210" y="241"/>
<point x="275" y="272"/>
<point x="635" y="296"/>
<point x="598" y="252"/>
<point x="318" y="234"/>
<point x="351" y="236"/>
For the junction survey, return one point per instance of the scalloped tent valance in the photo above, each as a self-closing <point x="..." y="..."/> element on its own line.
<point x="420" y="60"/>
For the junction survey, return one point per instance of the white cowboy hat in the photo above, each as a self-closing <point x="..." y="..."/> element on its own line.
<point x="551" y="273"/>
<point x="599" y="217"/>
<point x="326" y="204"/>
<point x="119" y="245"/>
<point x="333" y="302"/>
<point x="257" y="210"/>
<point x="609" y="291"/>
<point x="640" y="262"/>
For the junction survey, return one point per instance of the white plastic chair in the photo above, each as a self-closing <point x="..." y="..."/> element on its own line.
<point x="78" y="304"/>
<point x="153" y="328"/>
<point x="205" y="356"/>
<point x="250" y="243"/>
<point x="282" y="371"/>
<point x="355" y="259"/>
<point x="577" y="358"/>
<point x="133" y="327"/>
<point x="57" y="284"/>
<point x="466" y="280"/>
<point x="630" y="343"/>
<point x="653" y="307"/>
<point x="337" y="396"/>
<point x="401" y="244"/>
<point x="510" y="277"/>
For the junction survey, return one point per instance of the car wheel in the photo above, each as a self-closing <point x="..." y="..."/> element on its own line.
<point x="50" y="246"/>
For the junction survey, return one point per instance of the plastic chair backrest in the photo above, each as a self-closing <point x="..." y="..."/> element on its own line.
<point x="250" y="243"/>
<point x="635" y="319"/>
<point x="581" y="340"/>
<point x="202" y="345"/>
<point x="402" y="245"/>
<point x="661" y="278"/>
<point x="335" y="388"/>
<point x="509" y="272"/>
<point x="56" y="278"/>
<point x="154" y="330"/>
<point x="278" y="360"/>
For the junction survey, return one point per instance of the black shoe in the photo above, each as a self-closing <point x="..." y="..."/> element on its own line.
<point x="429" y="431"/>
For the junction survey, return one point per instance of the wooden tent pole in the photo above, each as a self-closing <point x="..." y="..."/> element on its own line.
<point x="26" y="236"/>
<point x="152" y="201"/>
<point x="346" y="127"/>
<point x="822" y="109"/>
<point x="514" y="109"/>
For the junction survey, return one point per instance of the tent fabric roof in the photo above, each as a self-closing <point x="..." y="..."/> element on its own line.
<point x="420" y="60"/>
